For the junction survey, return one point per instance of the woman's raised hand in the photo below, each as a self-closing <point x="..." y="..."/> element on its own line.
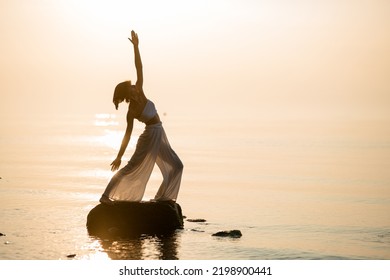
<point x="134" y="38"/>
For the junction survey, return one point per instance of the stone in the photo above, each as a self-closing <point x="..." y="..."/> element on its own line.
<point x="134" y="218"/>
<point x="196" y="220"/>
<point x="231" y="233"/>
<point x="2" y="234"/>
<point x="197" y="230"/>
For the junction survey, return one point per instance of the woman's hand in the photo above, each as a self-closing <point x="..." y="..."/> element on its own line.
<point x="134" y="38"/>
<point x="115" y="164"/>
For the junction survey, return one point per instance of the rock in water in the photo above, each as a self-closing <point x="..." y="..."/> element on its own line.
<point x="134" y="218"/>
<point x="231" y="233"/>
<point x="196" y="220"/>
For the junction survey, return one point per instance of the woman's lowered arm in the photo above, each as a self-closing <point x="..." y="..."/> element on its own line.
<point x="125" y="141"/>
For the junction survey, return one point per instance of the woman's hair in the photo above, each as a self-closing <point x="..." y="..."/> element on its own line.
<point x="121" y="92"/>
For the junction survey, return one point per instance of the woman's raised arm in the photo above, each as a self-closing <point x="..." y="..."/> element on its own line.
<point x="137" y="58"/>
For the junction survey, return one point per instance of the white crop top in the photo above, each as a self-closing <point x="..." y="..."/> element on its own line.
<point x="148" y="113"/>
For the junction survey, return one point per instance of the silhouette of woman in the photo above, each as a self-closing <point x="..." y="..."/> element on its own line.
<point x="129" y="183"/>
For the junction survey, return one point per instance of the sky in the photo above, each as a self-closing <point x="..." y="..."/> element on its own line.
<point x="265" y="59"/>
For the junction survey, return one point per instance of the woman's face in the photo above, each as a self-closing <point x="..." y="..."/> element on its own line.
<point x="122" y="93"/>
<point x="120" y="98"/>
<point x="117" y="101"/>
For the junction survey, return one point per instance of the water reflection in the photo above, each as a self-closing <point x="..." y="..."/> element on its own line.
<point x="105" y="120"/>
<point x="144" y="247"/>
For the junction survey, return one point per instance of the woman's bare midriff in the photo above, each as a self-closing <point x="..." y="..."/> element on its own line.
<point x="154" y="120"/>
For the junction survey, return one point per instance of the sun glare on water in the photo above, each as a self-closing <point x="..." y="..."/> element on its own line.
<point x="105" y="120"/>
<point x="112" y="137"/>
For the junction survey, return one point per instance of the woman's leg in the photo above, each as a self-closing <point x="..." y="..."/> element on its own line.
<point x="171" y="168"/>
<point x="129" y="183"/>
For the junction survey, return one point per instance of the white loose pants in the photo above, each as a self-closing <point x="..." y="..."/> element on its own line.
<point x="129" y="183"/>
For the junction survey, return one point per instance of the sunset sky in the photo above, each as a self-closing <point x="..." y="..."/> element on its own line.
<point x="239" y="58"/>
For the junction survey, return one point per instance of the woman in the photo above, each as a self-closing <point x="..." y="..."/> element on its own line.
<point x="129" y="183"/>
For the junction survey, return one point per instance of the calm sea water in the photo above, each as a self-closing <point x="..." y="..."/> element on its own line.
<point x="295" y="189"/>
